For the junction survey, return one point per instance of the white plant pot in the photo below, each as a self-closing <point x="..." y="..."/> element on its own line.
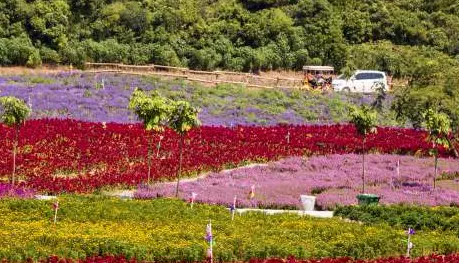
<point x="308" y="202"/>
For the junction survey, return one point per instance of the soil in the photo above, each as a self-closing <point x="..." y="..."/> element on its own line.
<point x="32" y="71"/>
<point x="55" y="69"/>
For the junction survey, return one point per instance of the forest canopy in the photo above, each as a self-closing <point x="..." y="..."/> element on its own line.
<point x="241" y="35"/>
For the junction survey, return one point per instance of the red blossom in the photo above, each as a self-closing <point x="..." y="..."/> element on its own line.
<point x="74" y="156"/>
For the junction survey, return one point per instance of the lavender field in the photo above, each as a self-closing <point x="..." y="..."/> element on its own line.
<point x="104" y="97"/>
<point x="334" y="180"/>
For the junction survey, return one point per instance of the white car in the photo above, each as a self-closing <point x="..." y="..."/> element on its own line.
<point x="365" y="81"/>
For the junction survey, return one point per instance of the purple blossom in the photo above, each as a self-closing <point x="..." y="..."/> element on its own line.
<point x="334" y="179"/>
<point x="7" y="190"/>
<point x="103" y="97"/>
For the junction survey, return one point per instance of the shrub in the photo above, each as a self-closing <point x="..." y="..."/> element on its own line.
<point x="107" y="51"/>
<point x="49" y="56"/>
<point x="34" y="59"/>
<point x="74" y="54"/>
<point x="401" y="216"/>
<point x="18" y="51"/>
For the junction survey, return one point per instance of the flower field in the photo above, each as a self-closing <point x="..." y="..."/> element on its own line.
<point x="104" y="97"/>
<point x="82" y="142"/>
<point x="334" y="179"/>
<point x="6" y="190"/>
<point x="165" y="230"/>
<point x="120" y="259"/>
<point x="75" y="156"/>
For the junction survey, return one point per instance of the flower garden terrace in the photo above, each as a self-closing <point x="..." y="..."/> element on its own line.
<point x="168" y="230"/>
<point x="104" y="98"/>
<point x="453" y="258"/>
<point x="76" y="156"/>
<point x="335" y="180"/>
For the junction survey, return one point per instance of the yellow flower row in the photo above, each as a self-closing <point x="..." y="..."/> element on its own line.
<point x="169" y="230"/>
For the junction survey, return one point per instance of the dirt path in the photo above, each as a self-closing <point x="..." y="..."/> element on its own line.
<point x="33" y="71"/>
<point x="56" y="69"/>
<point x="126" y="193"/>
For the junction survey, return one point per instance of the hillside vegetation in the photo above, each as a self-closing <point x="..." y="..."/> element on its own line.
<point x="243" y="35"/>
<point x="417" y="40"/>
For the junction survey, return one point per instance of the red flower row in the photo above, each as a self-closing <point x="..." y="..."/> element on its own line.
<point x="75" y="156"/>
<point x="427" y="259"/>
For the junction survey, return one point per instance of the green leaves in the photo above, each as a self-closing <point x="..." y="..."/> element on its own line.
<point x="153" y="110"/>
<point x="184" y="117"/>
<point x="439" y="126"/>
<point x="258" y="34"/>
<point x="49" y="22"/>
<point x="13" y="111"/>
<point x="364" y="120"/>
<point x="156" y="112"/>
<point x="404" y="216"/>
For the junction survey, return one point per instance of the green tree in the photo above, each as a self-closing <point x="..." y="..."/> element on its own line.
<point x="356" y="26"/>
<point x="49" y="22"/>
<point x="437" y="89"/>
<point x="14" y="112"/>
<point x="364" y="120"/>
<point x="184" y="117"/>
<point x="134" y="17"/>
<point x="153" y="110"/>
<point x="439" y="127"/>
<point x="383" y="34"/>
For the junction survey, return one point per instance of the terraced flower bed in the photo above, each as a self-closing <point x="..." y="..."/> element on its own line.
<point x="167" y="230"/>
<point x="333" y="179"/>
<point x="104" y="98"/>
<point x="75" y="156"/>
<point x="65" y="155"/>
<point x="121" y="259"/>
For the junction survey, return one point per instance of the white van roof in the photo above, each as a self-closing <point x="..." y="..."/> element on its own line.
<point x="370" y="71"/>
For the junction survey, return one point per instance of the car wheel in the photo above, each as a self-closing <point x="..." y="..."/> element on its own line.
<point x="346" y="90"/>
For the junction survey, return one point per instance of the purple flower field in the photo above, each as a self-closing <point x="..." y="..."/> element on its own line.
<point x="334" y="180"/>
<point x="6" y="190"/>
<point x="103" y="97"/>
<point x="88" y="97"/>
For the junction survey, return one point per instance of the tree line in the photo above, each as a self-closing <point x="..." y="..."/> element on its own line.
<point x="241" y="35"/>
